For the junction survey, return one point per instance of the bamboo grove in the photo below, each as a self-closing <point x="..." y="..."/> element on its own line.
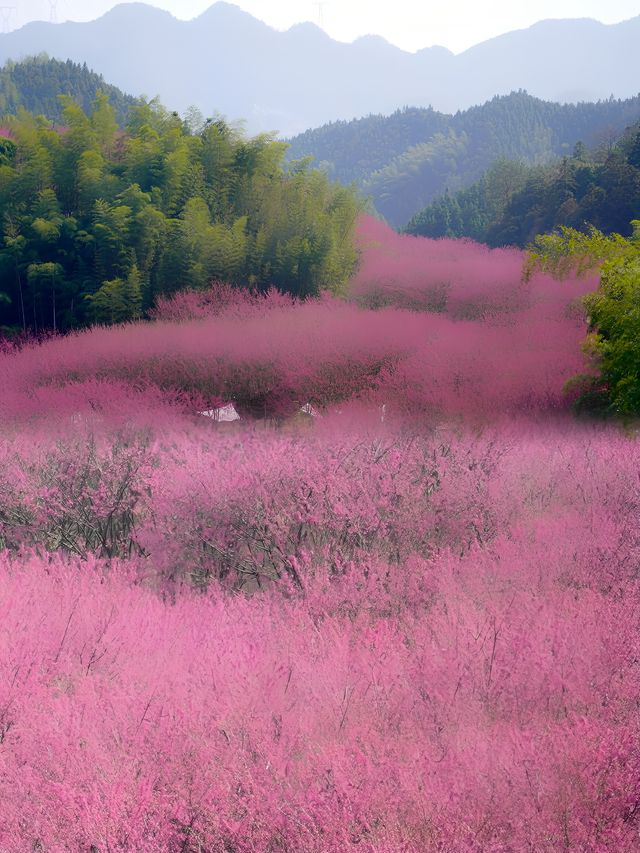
<point x="97" y="221"/>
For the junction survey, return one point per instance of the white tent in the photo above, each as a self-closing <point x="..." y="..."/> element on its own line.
<point x="224" y="415"/>
<point x="308" y="409"/>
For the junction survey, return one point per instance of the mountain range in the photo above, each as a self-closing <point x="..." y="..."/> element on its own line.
<point x="226" y="61"/>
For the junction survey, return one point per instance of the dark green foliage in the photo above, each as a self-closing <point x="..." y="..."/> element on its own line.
<point x="97" y="222"/>
<point x="614" y="318"/>
<point x="408" y="159"/>
<point x="472" y="211"/>
<point x="633" y="157"/>
<point x="35" y="85"/>
<point x="511" y="203"/>
<point x="352" y="150"/>
<point x="7" y="151"/>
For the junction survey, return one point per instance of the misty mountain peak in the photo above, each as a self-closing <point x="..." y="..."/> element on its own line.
<point x="134" y="13"/>
<point x="225" y="12"/>
<point x="309" y="30"/>
<point x="230" y="62"/>
<point x="436" y="50"/>
<point x="376" y="43"/>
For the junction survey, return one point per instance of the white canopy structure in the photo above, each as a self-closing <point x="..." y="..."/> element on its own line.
<point x="225" y="414"/>
<point x="308" y="409"/>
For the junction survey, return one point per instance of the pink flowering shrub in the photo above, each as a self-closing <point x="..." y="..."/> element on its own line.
<point x="219" y="300"/>
<point x="494" y="345"/>
<point x="459" y="278"/>
<point x="466" y="687"/>
<point x="402" y="629"/>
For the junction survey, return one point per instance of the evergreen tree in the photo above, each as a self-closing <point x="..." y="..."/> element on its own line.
<point x="512" y="202"/>
<point x="35" y="84"/>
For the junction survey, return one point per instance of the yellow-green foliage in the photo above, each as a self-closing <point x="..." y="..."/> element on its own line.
<point x="161" y="206"/>
<point x="613" y="309"/>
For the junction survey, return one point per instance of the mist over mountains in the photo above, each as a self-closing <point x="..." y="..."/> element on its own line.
<point x="226" y="61"/>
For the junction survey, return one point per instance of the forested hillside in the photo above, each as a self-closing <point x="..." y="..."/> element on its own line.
<point x="35" y="85"/>
<point x="512" y="203"/>
<point x="406" y="160"/>
<point x="352" y="150"/>
<point x="97" y="222"/>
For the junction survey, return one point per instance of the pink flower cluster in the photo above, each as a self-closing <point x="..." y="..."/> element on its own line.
<point x="343" y="633"/>
<point x="485" y="343"/>
<point x="324" y="641"/>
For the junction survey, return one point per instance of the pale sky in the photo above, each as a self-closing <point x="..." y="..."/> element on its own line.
<point x="410" y="24"/>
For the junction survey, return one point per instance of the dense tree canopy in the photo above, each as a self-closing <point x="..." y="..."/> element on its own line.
<point x="354" y="150"/>
<point x="614" y="316"/>
<point x="512" y="203"/>
<point x="35" y="84"/>
<point x="406" y="160"/>
<point x="96" y="222"/>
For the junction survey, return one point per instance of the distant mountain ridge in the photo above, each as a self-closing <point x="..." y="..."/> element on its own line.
<point x="406" y="160"/>
<point x="35" y="84"/>
<point x="229" y="62"/>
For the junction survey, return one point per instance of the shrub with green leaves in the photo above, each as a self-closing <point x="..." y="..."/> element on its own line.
<point x="613" y="309"/>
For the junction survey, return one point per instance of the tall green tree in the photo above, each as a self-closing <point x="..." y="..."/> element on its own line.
<point x="44" y="280"/>
<point x="97" y="222"/>
<point x="118" y="300"/>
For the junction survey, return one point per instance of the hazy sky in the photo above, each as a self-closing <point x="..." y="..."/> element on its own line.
<point x="411" y="24"/>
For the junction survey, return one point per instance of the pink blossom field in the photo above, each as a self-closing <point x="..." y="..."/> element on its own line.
<point x="409" y="624"/>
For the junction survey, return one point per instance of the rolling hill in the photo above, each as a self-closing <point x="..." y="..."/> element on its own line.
<point x="36" y="83"/>
<point x="405" y="160"/>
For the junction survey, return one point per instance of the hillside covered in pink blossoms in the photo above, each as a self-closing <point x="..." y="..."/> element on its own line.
<point x="405" y="622"/>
